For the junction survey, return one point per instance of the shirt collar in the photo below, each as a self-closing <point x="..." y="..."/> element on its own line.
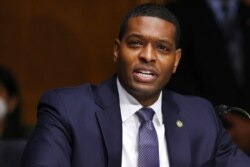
<point x="129" y="105"/>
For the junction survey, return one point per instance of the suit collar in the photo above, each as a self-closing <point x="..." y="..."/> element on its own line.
<point x="109" y="118"/>
<point x="107" y="93"/>
<point x="178" y="140"/>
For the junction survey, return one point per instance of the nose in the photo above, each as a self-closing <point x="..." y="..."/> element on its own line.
<point x="148" y="54"/>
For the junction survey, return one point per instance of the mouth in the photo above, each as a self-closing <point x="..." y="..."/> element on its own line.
<point x="145" y="75"/>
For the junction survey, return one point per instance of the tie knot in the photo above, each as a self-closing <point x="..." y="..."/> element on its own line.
<point x="145" y="114"/>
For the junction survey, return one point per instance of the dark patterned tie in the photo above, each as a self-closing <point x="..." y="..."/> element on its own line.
<point x="148" y="141"/>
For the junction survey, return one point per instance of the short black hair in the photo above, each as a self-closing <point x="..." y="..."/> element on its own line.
<point x="151" y="10"/>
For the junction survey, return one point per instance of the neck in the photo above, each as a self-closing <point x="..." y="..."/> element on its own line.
<point x="147" y="101"/>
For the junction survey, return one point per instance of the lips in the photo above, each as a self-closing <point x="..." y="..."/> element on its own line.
<point x="146" y="75"/>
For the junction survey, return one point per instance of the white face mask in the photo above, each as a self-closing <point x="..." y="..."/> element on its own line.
<point x="3" y="108"/>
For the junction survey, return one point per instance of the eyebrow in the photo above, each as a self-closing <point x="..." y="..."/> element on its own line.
<point x="137" y="35"/>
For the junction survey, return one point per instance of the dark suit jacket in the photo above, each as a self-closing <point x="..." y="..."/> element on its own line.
<point x="82" y="127"/>
<point x="205" y="68"/>
<point x="11" y="152"/>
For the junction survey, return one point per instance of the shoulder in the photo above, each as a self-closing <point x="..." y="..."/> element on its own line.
<point x="195" y="110"/>
<point x="193" y="105"/>
<point x="68" y="97"/>
<point x="72" y="93"/>
<point x="189" y="101"/>
<point x="66" y="104"/>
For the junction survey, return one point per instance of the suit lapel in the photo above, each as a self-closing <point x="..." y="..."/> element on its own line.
<point x="109" y="118"/>
<point x="177" y="136"/>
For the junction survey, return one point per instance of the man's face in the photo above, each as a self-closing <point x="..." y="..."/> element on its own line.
<point x="146" y="57"/>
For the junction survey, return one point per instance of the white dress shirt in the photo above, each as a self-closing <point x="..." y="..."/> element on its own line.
<point x="130" y="126"/>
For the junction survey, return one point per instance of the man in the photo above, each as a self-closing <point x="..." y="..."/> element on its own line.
<point x="111" y="124"/>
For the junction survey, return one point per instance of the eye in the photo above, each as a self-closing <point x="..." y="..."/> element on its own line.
<point x="162" y="48"/>
<point x="135" y="43"/>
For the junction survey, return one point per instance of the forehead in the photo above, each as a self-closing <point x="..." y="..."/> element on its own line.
<point x="151" y="27"/>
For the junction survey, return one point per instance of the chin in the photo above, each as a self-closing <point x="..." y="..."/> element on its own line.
<point x="145" y="91"/>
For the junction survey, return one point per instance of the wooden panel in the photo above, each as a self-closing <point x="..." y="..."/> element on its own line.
<point x="55" y="44"/>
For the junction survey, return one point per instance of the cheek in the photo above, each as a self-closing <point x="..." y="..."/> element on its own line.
<point x="167" y="66"/>
<point x="124" y="68"/>
<point x="122" y="64"/>
<point x="127" y="59"/>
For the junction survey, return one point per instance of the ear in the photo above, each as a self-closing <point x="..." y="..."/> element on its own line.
<point x="177" y="59"/>
<point x="12" y="103"/>
<point x="116" y="50"/>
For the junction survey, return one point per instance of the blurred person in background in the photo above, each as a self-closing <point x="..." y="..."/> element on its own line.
<point x="12" y="133"/>
<point x="10" y="107"/>
<point x="216" y="50"/>
<point x="237" y="123"/>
